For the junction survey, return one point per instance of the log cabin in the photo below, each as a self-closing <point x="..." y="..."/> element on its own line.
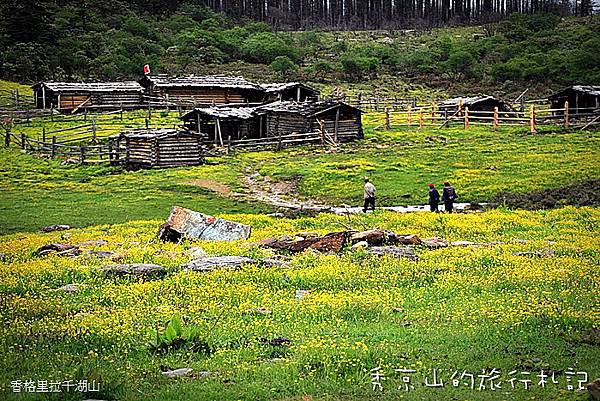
<point x="197" y="91"/>
<point x="342" y="122"/>
<point x="171" y="147"/>
<point x="84" y="95"/>
<point x="475" y="104"/>
<point x="220" y="124"/>
<point x="582" y="99"/>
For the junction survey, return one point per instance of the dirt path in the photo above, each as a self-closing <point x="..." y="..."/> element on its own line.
<point x="280" y="194"/>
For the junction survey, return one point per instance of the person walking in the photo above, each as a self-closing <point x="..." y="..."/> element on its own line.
<point x="369" y="196"/>
<point x="448" y="197"/>
<point x="434" y="198"/>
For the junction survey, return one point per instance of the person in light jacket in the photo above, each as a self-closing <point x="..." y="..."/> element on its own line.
<point x="369" y="196"/>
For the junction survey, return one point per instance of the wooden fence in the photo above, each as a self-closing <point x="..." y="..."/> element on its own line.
<point x="422" y="117"/>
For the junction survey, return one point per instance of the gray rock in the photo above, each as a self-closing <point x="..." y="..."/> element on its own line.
<point x="540" y="253"/>
<point x="196" y="252"/>
<point x="204" y="374"/>
<point x="435" y="242"/>
<point x="394" y="251"/>
<point x="70" y="288"/>
<point x="98" y="242"/>
<point x="136" y="269"/>
<point x="210" y="263"/>
<point x="103" y="254"/>
<point x="55" y="227"/>
<point x="272" y="262"/>
<point x="177" y="372"/>
<point x="301" y="294"/>
<point x="463" y="243"/>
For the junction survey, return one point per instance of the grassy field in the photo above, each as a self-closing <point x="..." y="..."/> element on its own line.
<point x="464" y="309"/>
<point x="458" y="309"/>
<point x="479" y="162"/>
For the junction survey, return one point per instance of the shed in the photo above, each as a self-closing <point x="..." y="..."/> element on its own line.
<point x="75" y="95"/>
<point x="582" y="99"/>
<point x="202" y="90"/>
<point x="475" y="104"/>
<point x="221" y="123"/>
<point x="159" y="148"/>
<point x="340" y="120"/>
<point x="290" y="91"/>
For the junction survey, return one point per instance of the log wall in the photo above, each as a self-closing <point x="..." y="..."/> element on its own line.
<point x="164" y="152"/>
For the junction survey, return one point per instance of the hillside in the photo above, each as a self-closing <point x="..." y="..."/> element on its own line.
<point x="99" y="41"/>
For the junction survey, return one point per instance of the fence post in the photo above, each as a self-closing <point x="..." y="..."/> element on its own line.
<point x="532" y="119"/>
<point x="359" y="99"/>
<point x="466" y="118"/>
<point x="82" y="153"/>
<point x="85" y="113"/>
<point x="566" y="114"/>
<point x="121" y="111"/>
<point x="110" y="149"/>
<point x="421" y="121"/>
<point x="228" y="143"/>
<point x="460" y="103"/>
<point x="7" y="138"/>
<point x="146" y="123"/>
<point x="17" y="98"/>
<point x="93" y="130"/>
<point x="322" y="130"/>
<point x="409" y="116"/>
<point x="387" y="119"/>
<point x="23" y="143"/>
<point x="43" y="134"/>
<point x="495" y="118"/>
<point x="53" y="150"/>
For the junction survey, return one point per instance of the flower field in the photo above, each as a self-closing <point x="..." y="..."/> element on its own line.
<point x="457" y="310"/>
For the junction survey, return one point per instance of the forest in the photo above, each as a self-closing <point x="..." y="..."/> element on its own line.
<point x="101" y="39"/>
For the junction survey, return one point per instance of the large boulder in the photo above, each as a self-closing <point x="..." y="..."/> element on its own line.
<point x="190" y="224"/>
<point x="375" y="237"/>
<point x="144" y="270"/>
<point x="332" y="242"/>
<point x="59" y="249"/>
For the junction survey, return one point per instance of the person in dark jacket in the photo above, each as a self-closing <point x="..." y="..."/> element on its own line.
<point x="448" y="197"/>
<point x="434" y="198"/>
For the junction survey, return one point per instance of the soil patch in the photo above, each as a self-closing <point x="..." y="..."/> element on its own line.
<point x="211" y="185"/>
<point x="583" y="193"/>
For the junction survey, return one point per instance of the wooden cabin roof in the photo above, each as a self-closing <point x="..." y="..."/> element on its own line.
<point x="303" y="108"/>
<point x="125" y="86"/>
<point x="468" y="101"/>
<point x="278" y="87"/>
<point x="223" y="112"/>
<point x="154" y="133"/>
<point x="585" y="89"/>
<point x="197" y="81"/>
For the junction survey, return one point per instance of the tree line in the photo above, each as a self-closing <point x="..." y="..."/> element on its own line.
<point x="377" y="14"/>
